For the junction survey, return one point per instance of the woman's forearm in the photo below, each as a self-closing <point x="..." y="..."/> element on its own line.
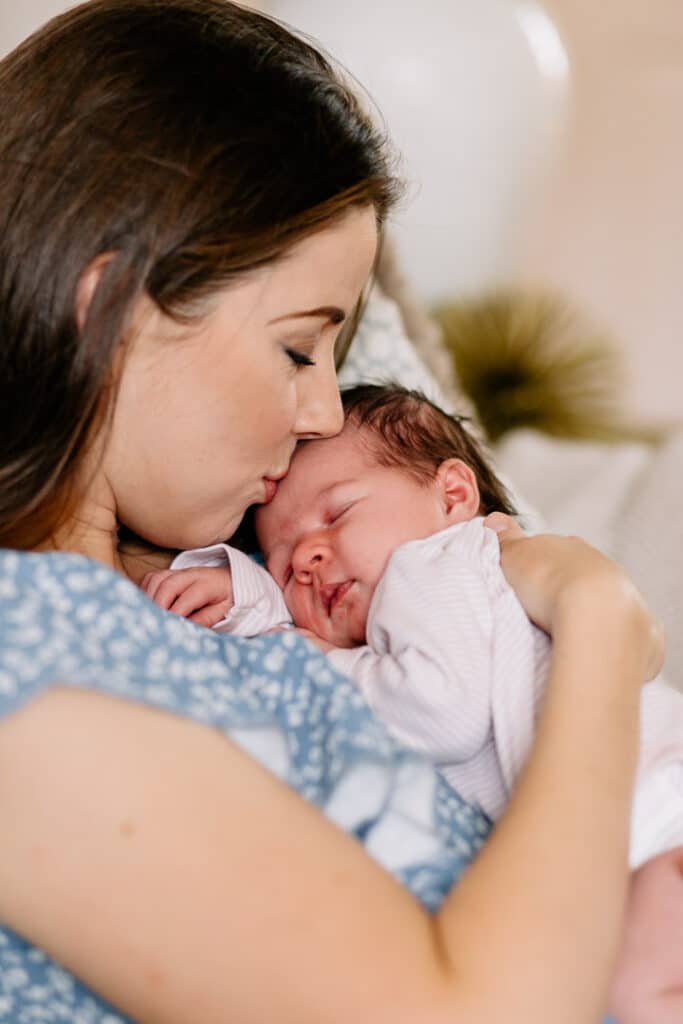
<point x="546" y="894"/>
<point x="220" y="894"/>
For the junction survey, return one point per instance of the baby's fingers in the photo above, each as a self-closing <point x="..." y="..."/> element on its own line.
<point x="171" y="586"/>
<point x="193" y="597"/>
<point x="211" y="614"/>
<point x="153" y="580"/>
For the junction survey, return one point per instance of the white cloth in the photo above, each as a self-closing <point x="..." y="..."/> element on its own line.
<point x="453" y="666"/>
<point x="258" y="602"/>
<point x="455" y="669"/>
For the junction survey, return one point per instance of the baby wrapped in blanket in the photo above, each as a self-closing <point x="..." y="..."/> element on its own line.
<point x="377" y="543"/>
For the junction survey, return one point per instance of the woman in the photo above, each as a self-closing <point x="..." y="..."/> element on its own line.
<point x="189" y="206"/>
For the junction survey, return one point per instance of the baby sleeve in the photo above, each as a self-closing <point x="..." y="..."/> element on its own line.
<point x="258" y="607"/>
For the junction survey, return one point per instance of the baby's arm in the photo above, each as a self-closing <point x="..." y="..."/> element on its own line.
<point x="237" y="596"/>
<point x="202" y="594"/>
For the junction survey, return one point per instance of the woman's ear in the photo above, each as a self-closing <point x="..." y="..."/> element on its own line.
<point x="87" y="283"/>
<point x="459" y="491"/>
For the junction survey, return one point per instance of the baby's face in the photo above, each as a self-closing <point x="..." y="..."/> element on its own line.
<point x="330" y="530"/>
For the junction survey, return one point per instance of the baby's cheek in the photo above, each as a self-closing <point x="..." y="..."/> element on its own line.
<point x="297" y="608"/>
<point x="358" y="623"/>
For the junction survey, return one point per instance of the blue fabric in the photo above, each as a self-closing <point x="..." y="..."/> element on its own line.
<point x="65" y="618"/>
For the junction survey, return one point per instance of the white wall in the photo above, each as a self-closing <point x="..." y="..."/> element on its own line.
<point x="18" y="19"/>
<point x="472" y="107"/>
<point x="608" y="228"/>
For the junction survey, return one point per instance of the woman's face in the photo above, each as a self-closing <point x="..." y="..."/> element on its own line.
<point x="208" y="416"/>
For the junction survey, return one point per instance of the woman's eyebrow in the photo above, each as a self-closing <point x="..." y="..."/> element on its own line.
<point x="333" y="313"/>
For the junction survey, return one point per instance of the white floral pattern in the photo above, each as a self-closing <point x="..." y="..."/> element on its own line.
<point x="65" y="618"/>
<point x="381" y="352"/>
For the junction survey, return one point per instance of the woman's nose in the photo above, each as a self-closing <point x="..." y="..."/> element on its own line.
<point x="309" y="555"/>
<point x="319" y="408"/>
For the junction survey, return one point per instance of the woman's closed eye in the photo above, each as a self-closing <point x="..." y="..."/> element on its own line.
<point x="299" y="358"/>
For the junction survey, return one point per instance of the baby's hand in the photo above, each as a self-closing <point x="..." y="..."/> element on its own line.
<point x="202" y="594"/>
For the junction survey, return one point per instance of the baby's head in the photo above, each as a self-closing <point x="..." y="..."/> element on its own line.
<point x="400" y="470"/>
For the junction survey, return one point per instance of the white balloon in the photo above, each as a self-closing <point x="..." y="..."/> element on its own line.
<point x="474" y="96"/>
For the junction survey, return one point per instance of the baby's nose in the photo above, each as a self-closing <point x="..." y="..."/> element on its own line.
<point x="308" y="555"/>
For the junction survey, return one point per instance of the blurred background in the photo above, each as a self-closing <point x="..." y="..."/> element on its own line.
<point x="542" y="145"/>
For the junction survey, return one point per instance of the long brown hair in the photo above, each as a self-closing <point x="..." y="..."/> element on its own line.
<point x="194" y="141"/>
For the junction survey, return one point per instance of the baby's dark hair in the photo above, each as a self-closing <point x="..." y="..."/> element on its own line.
<point x="406" y="430"/>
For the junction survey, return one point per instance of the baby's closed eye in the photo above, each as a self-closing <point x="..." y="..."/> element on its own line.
<point x="335" y="514"/>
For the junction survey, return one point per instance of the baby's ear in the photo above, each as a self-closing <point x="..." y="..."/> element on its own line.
<point x="459" y="490"/>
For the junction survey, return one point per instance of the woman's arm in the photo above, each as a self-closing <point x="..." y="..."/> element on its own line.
<point x="180" y="879"/>
<point x="548" y="891"/>
<point x="184" y="882"/>
<point x="553" y="878"/>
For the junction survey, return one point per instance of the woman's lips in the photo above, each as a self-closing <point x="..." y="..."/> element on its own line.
<point x="269" y="489"/>
<point x="270" y="485"/>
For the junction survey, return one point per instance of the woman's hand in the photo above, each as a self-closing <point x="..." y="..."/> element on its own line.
<point x="558" y="579"/>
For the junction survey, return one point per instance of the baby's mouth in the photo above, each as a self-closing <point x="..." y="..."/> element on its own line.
<point x="332" y="594"/>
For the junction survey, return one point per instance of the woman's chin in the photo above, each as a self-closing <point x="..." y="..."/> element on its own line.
<point x="198" y="537"/>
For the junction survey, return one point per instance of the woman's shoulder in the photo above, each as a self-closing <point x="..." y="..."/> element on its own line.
<point x="64" y="619"/>
<point x="42" y="580"/>
<point x="67" y="620"/>
<point x="58" y="613"/>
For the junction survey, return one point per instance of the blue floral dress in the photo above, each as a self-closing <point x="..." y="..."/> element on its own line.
<point x="63" y="617"/>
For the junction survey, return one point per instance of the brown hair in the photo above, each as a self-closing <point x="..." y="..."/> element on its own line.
<point x="194" y="140"/>
<point x="404" y="429"/>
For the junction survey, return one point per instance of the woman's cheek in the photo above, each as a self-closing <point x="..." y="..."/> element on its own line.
<point x="290" y="411"/>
